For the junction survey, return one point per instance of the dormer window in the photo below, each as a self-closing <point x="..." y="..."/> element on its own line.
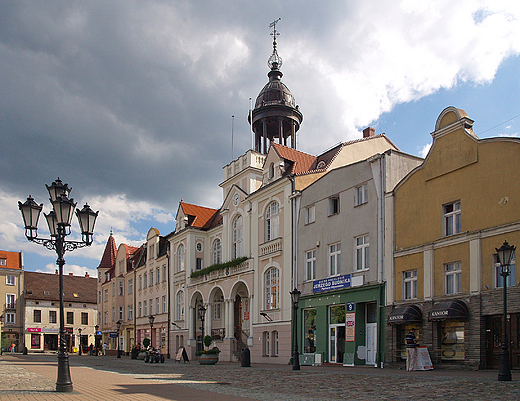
<point x="271" y="171"/>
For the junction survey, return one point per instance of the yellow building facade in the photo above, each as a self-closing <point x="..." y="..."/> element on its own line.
<point x="450" y="214"/>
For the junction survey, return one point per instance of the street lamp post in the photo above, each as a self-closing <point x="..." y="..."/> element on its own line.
<point x="295" y="297"/>
<point x="59" y="220"/>
<point x="1" y="321"/>
<point x="118" y="324"/>
<point x="79" y="345"/>
<point x="505" y="255"/>
<point x="96" y="327"/>
<point x="151" y="318"/>
<point x="202" y="315"/>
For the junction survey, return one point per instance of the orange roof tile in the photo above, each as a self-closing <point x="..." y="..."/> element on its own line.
<point x="302" y="161"/>
<point x="201" y="215"/>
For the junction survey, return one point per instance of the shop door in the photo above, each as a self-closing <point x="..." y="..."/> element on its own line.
<point x="494" y="340"/>
<point x="336" y="343"/>
<point x="371" y="343"/>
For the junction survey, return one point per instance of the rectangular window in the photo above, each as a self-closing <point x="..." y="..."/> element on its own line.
<point x="52" y="316"/>
<point x="151" y="278"/>
<point x="130" y="286"/>
<point x="10" y="318"/>
<point x="140" y="282"/>
<point x="10" y="301"/>
<point x="121" y="288"/>
<point x="145" y="280"/>
<point x="217" y="311"/>
<point x="310" y="265"/>
<point x="130" y="312"/>
<point x="99" y="297"/>
<point x="333" y="205"/>
<point x="113" y="314"/>
<point x="84" y="318"/>
<point x="198" y="263"/>
<point x="158" y="275"/>
<point x="334" y="259"/>
<point x="151" y="253"/>
<point x="275" y="343"/>
<point x="410" y="284"/>
<point x="10" y="280"/>
<point x="310" y="214"/>
<point x="164" y="304"/>
<point x="361" y="194"/>
<point x="164" y="273"/>
<point x="106" y="294"/>
<point x="452" y="340"/>
<point x="121" y="313"/>
<point x="35" y="341"/>
<point x="452" y="218"/>
<point x="70" y="317"/>
<point x="309" y="326"/>
<point x="37" y="316"/>
<point x="106" y="318"/>
<point x="139" y="309"/>
<point x="362" y="252"/>
<point x="157" y="310"/>
<point x="151" y="307"/>
<point x="266" y="343"/>
<point x="453" y="278"/>
<point x="3" y="262"/>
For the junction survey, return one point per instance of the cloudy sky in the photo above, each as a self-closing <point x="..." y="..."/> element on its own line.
<point x="131" y="102"/>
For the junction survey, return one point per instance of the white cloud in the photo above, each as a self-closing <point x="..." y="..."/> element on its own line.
<point x="67" y="269"/>
<point x="423" y="152"/>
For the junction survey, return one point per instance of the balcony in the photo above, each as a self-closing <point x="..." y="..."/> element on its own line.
<point x="271" y="247"/>
<point x="243" y="267"/>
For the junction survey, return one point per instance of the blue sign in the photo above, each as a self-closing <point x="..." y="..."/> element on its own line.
<point x="350" y="306"/>
<point x="331" y="283"/>
<point x="112" y="335"/>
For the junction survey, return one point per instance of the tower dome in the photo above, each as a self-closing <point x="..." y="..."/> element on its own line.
<point x="276" y="115"/>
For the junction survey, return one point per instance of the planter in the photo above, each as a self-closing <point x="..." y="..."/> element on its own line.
<point x="208" y="359"/>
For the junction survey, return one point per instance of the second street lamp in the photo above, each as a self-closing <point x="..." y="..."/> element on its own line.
<point x="118" y="324"/>
<point x="151" y="319"/>
<point x="295" y="297"/>
<point x="79" y="345"/>
<point x="202" y="315"/>
<point x="505" y="255"/>
<point x="59" y="220"/>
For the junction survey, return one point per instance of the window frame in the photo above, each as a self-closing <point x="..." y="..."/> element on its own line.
<point x="452" y="270"/>
<point x="334" y="253"/>
<point x="272" y="221"/>
<point x="37" y="316"/>
<point x="180" y="258"/>
<point x="361" y="194"/>
<point x="216" y="251"/>
<point x="179" y="305"/>
<point x="272" y="288"/>
<point x="452" y="218"/>
<point x="362" y="250"/>
<point x="334" y="205"/>
<point x="412" y="281"/>
<point x="238" y="236"/>
<point x="310" y="214"/>
<point x="511" y="278"/>
<point x="10" y="280"/>
<point x="310" y="265"/>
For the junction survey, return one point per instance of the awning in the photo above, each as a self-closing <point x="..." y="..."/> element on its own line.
<point x="405" y="314"/>
<point x="453" y="309"/>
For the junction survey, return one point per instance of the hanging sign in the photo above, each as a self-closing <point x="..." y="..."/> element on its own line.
<point x="350" y="326"/>
<point x="331" y="283"/>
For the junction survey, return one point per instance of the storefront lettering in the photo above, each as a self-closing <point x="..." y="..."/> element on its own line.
<point x="396" y="317"/>
<point x="331" y="283"/>
<point x="440" y="313"/>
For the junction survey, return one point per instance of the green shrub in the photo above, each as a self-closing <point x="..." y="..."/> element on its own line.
<point x="218" y="266"/>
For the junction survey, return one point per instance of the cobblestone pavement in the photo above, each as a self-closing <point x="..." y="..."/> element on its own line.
<point x="267" y="382"/>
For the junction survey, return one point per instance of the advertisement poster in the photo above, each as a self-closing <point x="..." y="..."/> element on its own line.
<point x="350" y="326"/>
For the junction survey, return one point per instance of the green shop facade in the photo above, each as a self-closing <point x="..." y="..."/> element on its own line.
<point x="341" y="323"/>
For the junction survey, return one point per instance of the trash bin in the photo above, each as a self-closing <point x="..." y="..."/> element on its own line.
<point x="246" y="358"/>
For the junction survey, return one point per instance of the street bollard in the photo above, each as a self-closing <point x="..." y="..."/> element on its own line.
<point x="246" y="358"/>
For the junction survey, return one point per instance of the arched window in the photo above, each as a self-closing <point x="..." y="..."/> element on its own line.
<point x="272" y="288"/>
<point x="180" y="258"/>
<point x="271" y="221"/>
<point x="271" y="171"/>
<point x="179" y="302"/>
<point x="217" y="252"/>
<point x="238" y="250"/>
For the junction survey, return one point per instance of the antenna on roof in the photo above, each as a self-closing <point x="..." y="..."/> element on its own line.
<point x="232" y="129"/>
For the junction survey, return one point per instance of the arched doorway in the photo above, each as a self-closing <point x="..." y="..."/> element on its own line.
<point x="241" y="318"/>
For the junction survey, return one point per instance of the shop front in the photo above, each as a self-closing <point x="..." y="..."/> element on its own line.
<point x="342" y="326"/>
<point x="402" y="319"/>
<point x="40" y="339"/>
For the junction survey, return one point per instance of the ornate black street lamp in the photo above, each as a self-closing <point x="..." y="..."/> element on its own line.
<point x="295" y="297"/>
<point x="202" y="315"/>
<point x="96" y="327"/>
<point x="79" y="346"/>
<point x="118" y="324"/>
<point x="1" y="321"/>
<point x="505" y="255"/>
<point x="151" y="318"/>
<point x="59" y="220"/>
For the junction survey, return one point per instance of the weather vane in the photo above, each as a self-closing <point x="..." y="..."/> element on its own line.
<point x="275" y="61"/>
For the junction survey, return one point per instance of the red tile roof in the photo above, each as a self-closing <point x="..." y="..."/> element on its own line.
<point x="201" y="217"/>
<point x="44" y="286"/>
<point x="109" y="255"/>
<point x="302" y="161"/>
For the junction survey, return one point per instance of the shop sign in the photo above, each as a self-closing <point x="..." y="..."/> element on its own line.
<point x="113" y="335"/>
<point x="51" y="330"/>
<point x="34" y="329"/>
<point x="350" y="326"/>
<point x="331" y="283"/>
<point x="350" y="306"/>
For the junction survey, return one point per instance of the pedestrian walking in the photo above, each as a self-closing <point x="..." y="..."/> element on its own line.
<point x="105" y="346"/>
<point x="13" y="348"/>
<point x="411" y="350"/>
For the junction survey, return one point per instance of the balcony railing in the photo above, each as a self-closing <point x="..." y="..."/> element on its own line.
<point x="224" y="273"/>
<point x="270" y="247"/>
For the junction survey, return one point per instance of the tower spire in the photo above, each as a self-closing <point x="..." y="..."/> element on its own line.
<point x="275" y="61"/>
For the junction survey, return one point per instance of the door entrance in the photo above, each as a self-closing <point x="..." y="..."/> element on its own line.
<point x="371" y="343"/>
<point x="494" y="340"/>
<point x="336" y="333"/>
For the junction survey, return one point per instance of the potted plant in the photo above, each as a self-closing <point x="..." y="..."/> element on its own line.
<point x="210" y="356"/>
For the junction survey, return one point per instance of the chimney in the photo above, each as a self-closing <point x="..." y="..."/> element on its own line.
<point x="86" y="274"/>
<point x="368" y="132"/>
<point x="71" y="274"/>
